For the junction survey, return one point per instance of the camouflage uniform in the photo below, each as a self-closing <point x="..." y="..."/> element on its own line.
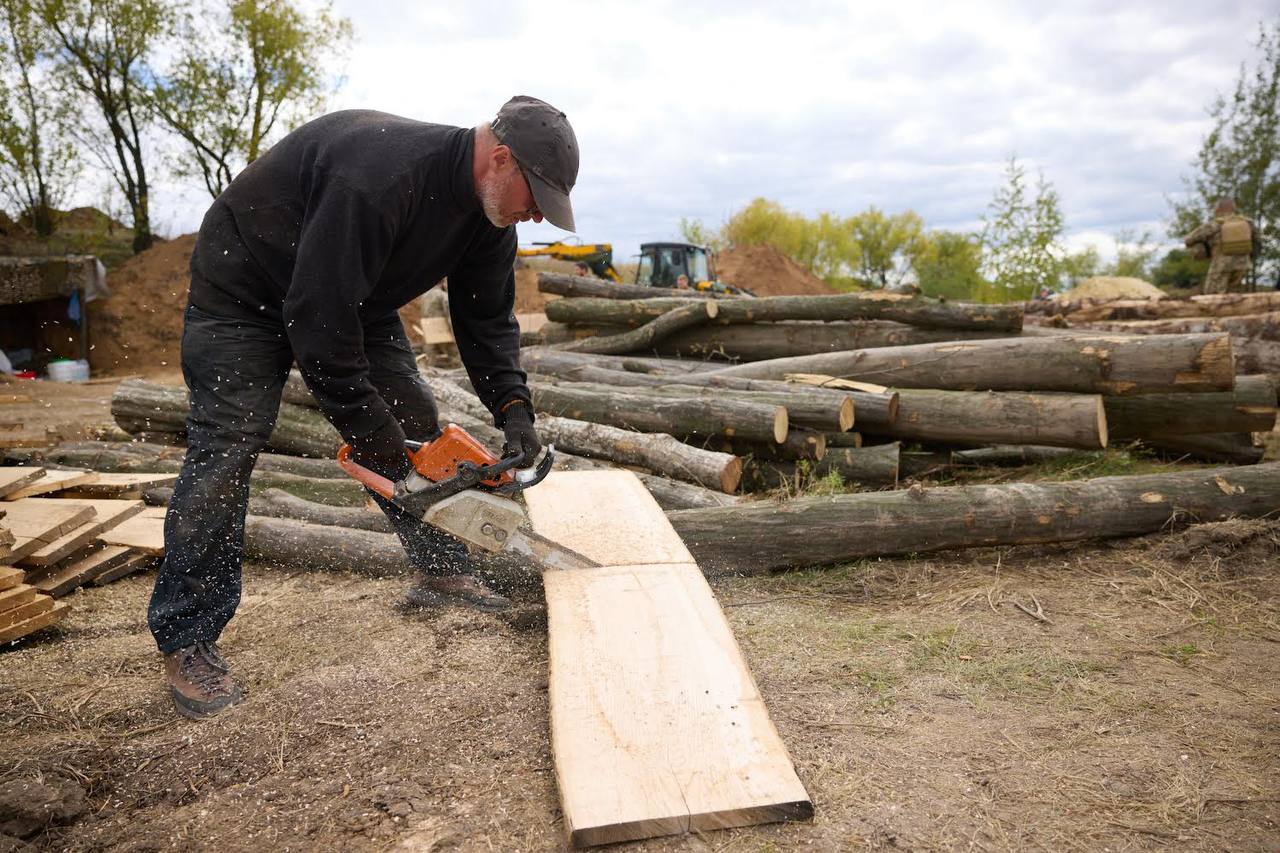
<point x="1226" y="272"/>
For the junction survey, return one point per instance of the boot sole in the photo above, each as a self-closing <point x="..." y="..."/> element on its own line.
<point x="193" y="709"/>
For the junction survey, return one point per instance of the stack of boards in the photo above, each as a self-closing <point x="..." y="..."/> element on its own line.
<point x="60" y="530"/>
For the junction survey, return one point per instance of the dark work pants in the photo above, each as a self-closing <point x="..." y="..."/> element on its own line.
<point x="236" y="370"/>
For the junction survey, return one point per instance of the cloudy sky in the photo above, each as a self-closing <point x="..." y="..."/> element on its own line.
<point x="694" y="108"/>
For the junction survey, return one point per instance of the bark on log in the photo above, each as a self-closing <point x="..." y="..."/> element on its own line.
<point x="677" y="417"/>
<point x="141" y="406"/>
<point x="631" y="313"/>
<point x="870" y="467"/>
<point x="844" y="439"/>
<point x="826" y="413"/>
<point x="1005" y="417"/>
<point x="801" y="443"/>
<point x="146" y="458"/>
<point x="1232" y="448"/>
<point x="1008" y="454"/>
<point x="277" y="503"/>
<point x="317" y="547"/>
<point x="297" y="392"/>
<point x="900" y="308"/>
<point x="872" y="411"/>
<point x="647" y="336"/>
<point x="762" y="341"/>
<point x="558" y="333"/>
<point x="1207" y="305"/>
<point x="1251" y="407"/>
<point x="765" y="536"/>
<point x="1256" y="356"/>
<point x="576" y="285"/>
<point x="1081" y="364"/>
<point x="658" y="452"/>
<point x="1263" y="327"/>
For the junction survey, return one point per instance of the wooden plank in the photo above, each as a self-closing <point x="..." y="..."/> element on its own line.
<point x="657" y="726"/>
<point x="76" y="573"/>
<point x="108" y="514"/>
<point x="35" y="524"/>
<point x="23" y="437"/>
<point x="135" y="563"/>
<point x="12" y="479"/>
<point x="437" y="330"/>
<point x="121" y="485"/>
<point x="53" y="481"/>
<point x="30" y="626"/>
<point x="38" y="605"/>
<point x="144" y="532"/>
<point x="606" y="515"/>
<point x="108" y="511"/>
<point x="10" y="577"/>
<point x="16" y="596"/>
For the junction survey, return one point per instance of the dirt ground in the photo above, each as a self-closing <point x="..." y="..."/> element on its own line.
<point x="923" y="708"/>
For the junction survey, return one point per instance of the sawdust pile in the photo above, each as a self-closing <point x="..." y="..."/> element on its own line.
<point x="138" y="328"/>
<point x="1104" y="288"/>
<point x="765" y="271"/>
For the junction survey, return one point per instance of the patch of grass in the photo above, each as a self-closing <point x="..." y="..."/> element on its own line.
<point x="1180" y="654"/>
<point x="880" y="684"/>
<point x="1081" y="465"/>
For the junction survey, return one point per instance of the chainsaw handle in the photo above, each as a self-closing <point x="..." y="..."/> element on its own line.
<point x="370" y="480"/>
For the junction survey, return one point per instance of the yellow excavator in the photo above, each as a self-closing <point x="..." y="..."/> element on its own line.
<point x="597" y="257"/>
<point x="661" y="264"/>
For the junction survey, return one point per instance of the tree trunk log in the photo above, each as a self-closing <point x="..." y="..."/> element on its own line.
<point x="1006" y="417"/>
<point x="644" y="338"/>
<point x="553" y="333"/>
<point x="631" y="313"/>
<point x="576" y="285"/>
<point x="146" y="458"/>
<point x="658" y="452"/>
<point x="762" y="341"/>
<point x="1235" y="448"/>
<point x="872" y="411"/>
<point x="1264" y="327"/>
<point x="1251" y="407"/>
<point x="297" y="392"/>
<point x="140" y="406"/>
<point x="1208" y="305"/>
<point x="764" y="536"/>
<point x="827" y="413"/>
<point x="870" y="467"/>
<point x="318" y="547"/>
<point x="677" y="417"/>
<point x="1253" y="356"/>
<point x="801" y="443"/>
<point x="276" y="503"/>
<point x="1008" y="454"/>
<point x="880" y="305"/>
<point x="1080" y="364"/>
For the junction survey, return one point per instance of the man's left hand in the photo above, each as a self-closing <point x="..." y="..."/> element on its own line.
<point x="521" y="436"/>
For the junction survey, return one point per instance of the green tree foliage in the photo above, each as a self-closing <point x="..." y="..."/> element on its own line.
<point x="948" y="264"/>
<point x="694" y="231"/>
<point x="1086" y="263"/>
<point x="1240" y="157"/>
<point x="103" y="46"/>
<point x="1021" y="237"/>
<point x="226" y="95"/>
<point x="885" y="243"/>
<point x="1135" y="255"/>
<point x="38" y="161"/>
<point x="1178" y="269"/>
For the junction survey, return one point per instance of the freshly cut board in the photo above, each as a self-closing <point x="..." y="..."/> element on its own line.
<point x="144" y="532"/>
<point x="52" y="481"/>
<point x="37" y="605"/>
<point x="75" y="573"/>
<point x="121" y="485"/>
<point x="16" y="596"/>
<point x="657" y="726"/>
<point x="10" y="577"/>
<point x="108" y="514"/>
<point x="36" y="523"/>
<point x="13" y="479"/>
<point x="34" y="623"/>
<point x="135" y="563"/>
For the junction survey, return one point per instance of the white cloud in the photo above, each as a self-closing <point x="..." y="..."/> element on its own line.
<point x="692" y="109"/>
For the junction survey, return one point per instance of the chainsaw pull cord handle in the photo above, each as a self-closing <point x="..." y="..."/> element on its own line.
<point x="374" y="482"/>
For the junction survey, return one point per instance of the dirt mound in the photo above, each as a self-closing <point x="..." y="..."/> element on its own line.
<point x="529" y="299"/>
<point x="765" y="271"/>
<point x="138" y="328"/>
<point x="1103" y="288"/>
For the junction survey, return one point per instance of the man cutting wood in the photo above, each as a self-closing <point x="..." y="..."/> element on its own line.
<point x="306" y="257"/>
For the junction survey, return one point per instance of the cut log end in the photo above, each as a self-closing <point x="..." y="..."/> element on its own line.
<point x="846" y="415"/>
<point x="1102" y="424"/>
<point x="781" y="424"/>
<point x="731" y="477"/>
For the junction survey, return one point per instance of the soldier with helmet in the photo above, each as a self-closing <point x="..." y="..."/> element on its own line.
<point x="1231" y="242"/>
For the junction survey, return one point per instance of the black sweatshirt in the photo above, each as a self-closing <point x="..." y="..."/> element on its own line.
<point x="339" y="224"/>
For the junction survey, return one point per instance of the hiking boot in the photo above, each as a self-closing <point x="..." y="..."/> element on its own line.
<point x="465" y="590"/>
<point x="200" y="681"/>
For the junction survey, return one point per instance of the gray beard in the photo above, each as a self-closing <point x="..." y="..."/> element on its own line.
<point x="490" y="199"/>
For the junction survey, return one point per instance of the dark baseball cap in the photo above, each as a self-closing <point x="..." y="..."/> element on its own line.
<point x="546" y="148"/>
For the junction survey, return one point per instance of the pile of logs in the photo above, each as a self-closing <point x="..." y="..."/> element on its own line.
<point x="710" y="398"/>
<point x="1252" y="320"/>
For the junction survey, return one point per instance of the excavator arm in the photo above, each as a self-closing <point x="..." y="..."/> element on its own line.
<point x="597" y="256"/>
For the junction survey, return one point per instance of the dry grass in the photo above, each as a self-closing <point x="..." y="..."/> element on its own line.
<point x="923" y="707"/>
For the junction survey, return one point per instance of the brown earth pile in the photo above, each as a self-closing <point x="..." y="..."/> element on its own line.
<point x="529" y="299"/>
<point x="765" y="271"/>
<point x="1103" y="288"/>
<point x="138" y="328"/>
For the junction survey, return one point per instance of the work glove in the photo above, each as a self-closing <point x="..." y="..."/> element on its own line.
<point x="521" y="436"/>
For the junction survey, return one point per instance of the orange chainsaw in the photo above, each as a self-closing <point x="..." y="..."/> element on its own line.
<point x="460" y="487"/>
